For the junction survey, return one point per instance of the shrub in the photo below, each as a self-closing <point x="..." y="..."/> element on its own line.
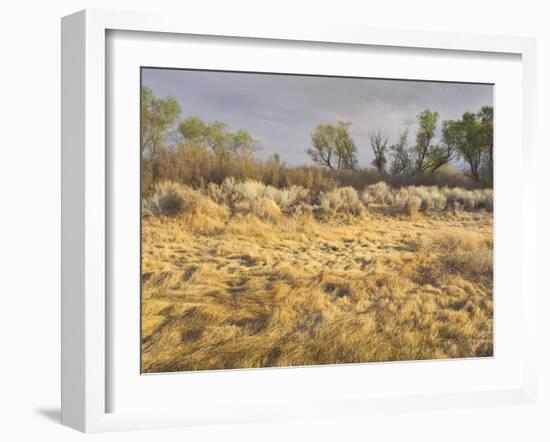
<point x="228" y="192"/>
<point x="249" y="190"/>
<point x="288" y="197"/>
<point x="439" y="199"/>
<point x="215" y="192"/>
<point x="485" y="200"/>
<point x="268" y="202"/>
<point x="264" y="208"/>
<point x="377" y="193"/>
<point x="166" y="200"/>
<point x="469" y="201"/>
<point x="413" y="204"/>
<point x="342" y="199"/>
<point x="232" y="192"/>
<point x="171" y="204"/>
<point x="303" y="209"/>
<point x="366" y="198"/>
<point x="439" y="202"/>
<point x="172" y="199"/>
<point x="401" y="196"/>
<point x="195" y="164"/>
<point x="473" y="263"/>
<point x="457" y="198"/>
<point x="314" y="178"/>
<point x="432" y="198"/>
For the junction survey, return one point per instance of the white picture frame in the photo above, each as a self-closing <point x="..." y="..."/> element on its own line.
<point x="86" y="203"/>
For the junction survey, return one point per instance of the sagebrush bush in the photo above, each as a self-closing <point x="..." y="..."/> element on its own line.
<point x="288" y="197"/>
<point x="469" y="199"/>
<point x="250" y="190"/>
<point x="342" y="199"/>
<point x="265" y="208"/>
<point x="401" y="196"/>
<point x="215" y="192"/>
<point x="172" y="199"/>
<point x="166" y="200"/>
<point x="486" y="199"/>
<point x="269" y="202"/>
<point x="376" y="193"/>
<point x="303" y="209"/>
<point x="413" y="204"/>
<point x="432" y="198"/>
<point x="232" y="192"/>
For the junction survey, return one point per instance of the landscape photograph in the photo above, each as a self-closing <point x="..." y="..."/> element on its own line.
<point x="300" y="220"/>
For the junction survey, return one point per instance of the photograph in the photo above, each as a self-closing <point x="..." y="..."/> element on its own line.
<point x="295" y="220"/>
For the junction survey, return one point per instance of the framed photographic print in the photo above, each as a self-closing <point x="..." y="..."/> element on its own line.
<point x="269" y="223"/>
<point x="258" y="253"/>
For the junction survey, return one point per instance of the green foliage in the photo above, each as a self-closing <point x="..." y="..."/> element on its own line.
<point x="427" y="156"/>
<point x="485" y="116"/>
<point x="217" y="137"/>
<point x="333" y="146"/>
<point x="193" y="130"/>
<point x="472" y="138"/>
<point x="241" y="143"/>
<point x="157" y="116"/>
<point x="421" y="152"/>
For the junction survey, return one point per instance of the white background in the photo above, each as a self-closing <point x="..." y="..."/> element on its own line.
<point x="30" y="215"/>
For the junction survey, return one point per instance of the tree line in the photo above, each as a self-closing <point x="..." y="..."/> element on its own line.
<point x="469" y="139"/>
<point x="203" y="151"/>
<point x="159" y="115"/>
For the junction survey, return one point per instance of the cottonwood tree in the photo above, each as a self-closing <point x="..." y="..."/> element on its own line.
<point x="217" y="137"/>
<point x="441" y="154"/>
<point x="425" y="134"/>
<point x="241" y="143"/>
<point x="379" y="143"/>
<point x="333" y="146"/>
<point x="465" y="134"/>
<point x="401" y="161"/>
<point x="472" y="138"/>
<point x="157" y="116"/>
<point x="193" y="130"/>
<point x="485" y="116"/>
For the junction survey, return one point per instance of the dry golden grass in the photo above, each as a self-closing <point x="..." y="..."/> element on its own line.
<point x="222" y="292"/>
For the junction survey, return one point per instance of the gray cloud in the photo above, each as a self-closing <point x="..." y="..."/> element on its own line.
<point x="282" y="110"/>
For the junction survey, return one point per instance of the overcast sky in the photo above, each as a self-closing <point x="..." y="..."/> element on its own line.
<point x="281" y="111"/>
